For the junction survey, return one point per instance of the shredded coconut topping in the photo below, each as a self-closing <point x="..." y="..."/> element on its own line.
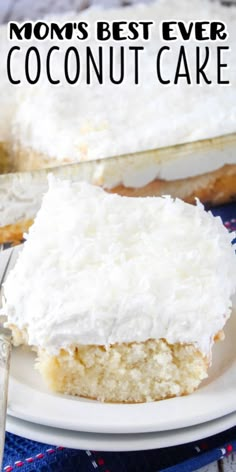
<point x="99" y="269"/>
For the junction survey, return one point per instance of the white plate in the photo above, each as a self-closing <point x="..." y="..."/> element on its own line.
<point x="30" y="400"/>
<point x="118" y="442"/>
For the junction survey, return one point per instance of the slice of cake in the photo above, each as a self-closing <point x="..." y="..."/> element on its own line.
<point x="122" y="298"/>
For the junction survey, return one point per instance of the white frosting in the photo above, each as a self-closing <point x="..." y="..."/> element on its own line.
<point x="20" y="197"/>
<point x="88" y="122"/>
<point x="167" y="164"/>
<point x="21" y="193"/>
<point x="99" y="269"/>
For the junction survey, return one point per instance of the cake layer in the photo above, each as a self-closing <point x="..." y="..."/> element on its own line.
<point x="14" y="233"/>
<point x="134" y="269"/>
<point x="212" y="188"/>
<point x="138" y="169"/>
<point x="129" y="373"/>
<point x="6" y="164"/>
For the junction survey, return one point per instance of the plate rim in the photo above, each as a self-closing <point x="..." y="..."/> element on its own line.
<point x="210" y="401"/>
<point x="119" y="442"/>
<point x="91" y="416"/>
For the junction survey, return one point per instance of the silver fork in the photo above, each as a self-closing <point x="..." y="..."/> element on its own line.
<point x="7" y="261"/>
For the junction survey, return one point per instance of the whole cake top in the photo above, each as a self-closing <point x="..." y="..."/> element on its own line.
<point x="98" y="268"/>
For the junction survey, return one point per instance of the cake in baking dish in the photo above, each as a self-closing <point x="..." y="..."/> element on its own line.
<point x="122" y="298"/>
<point x="44" y="125"/>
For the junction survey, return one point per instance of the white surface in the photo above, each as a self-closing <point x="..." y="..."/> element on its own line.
<point x="20" y="9"/>
<point x="210" y="468"/>
<point x="116" y="442"/>
<point x="228" y="464"/>
<point x="30" y="400"/>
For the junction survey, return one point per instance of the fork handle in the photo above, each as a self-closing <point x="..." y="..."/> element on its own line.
<point x="5" y="352"/>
